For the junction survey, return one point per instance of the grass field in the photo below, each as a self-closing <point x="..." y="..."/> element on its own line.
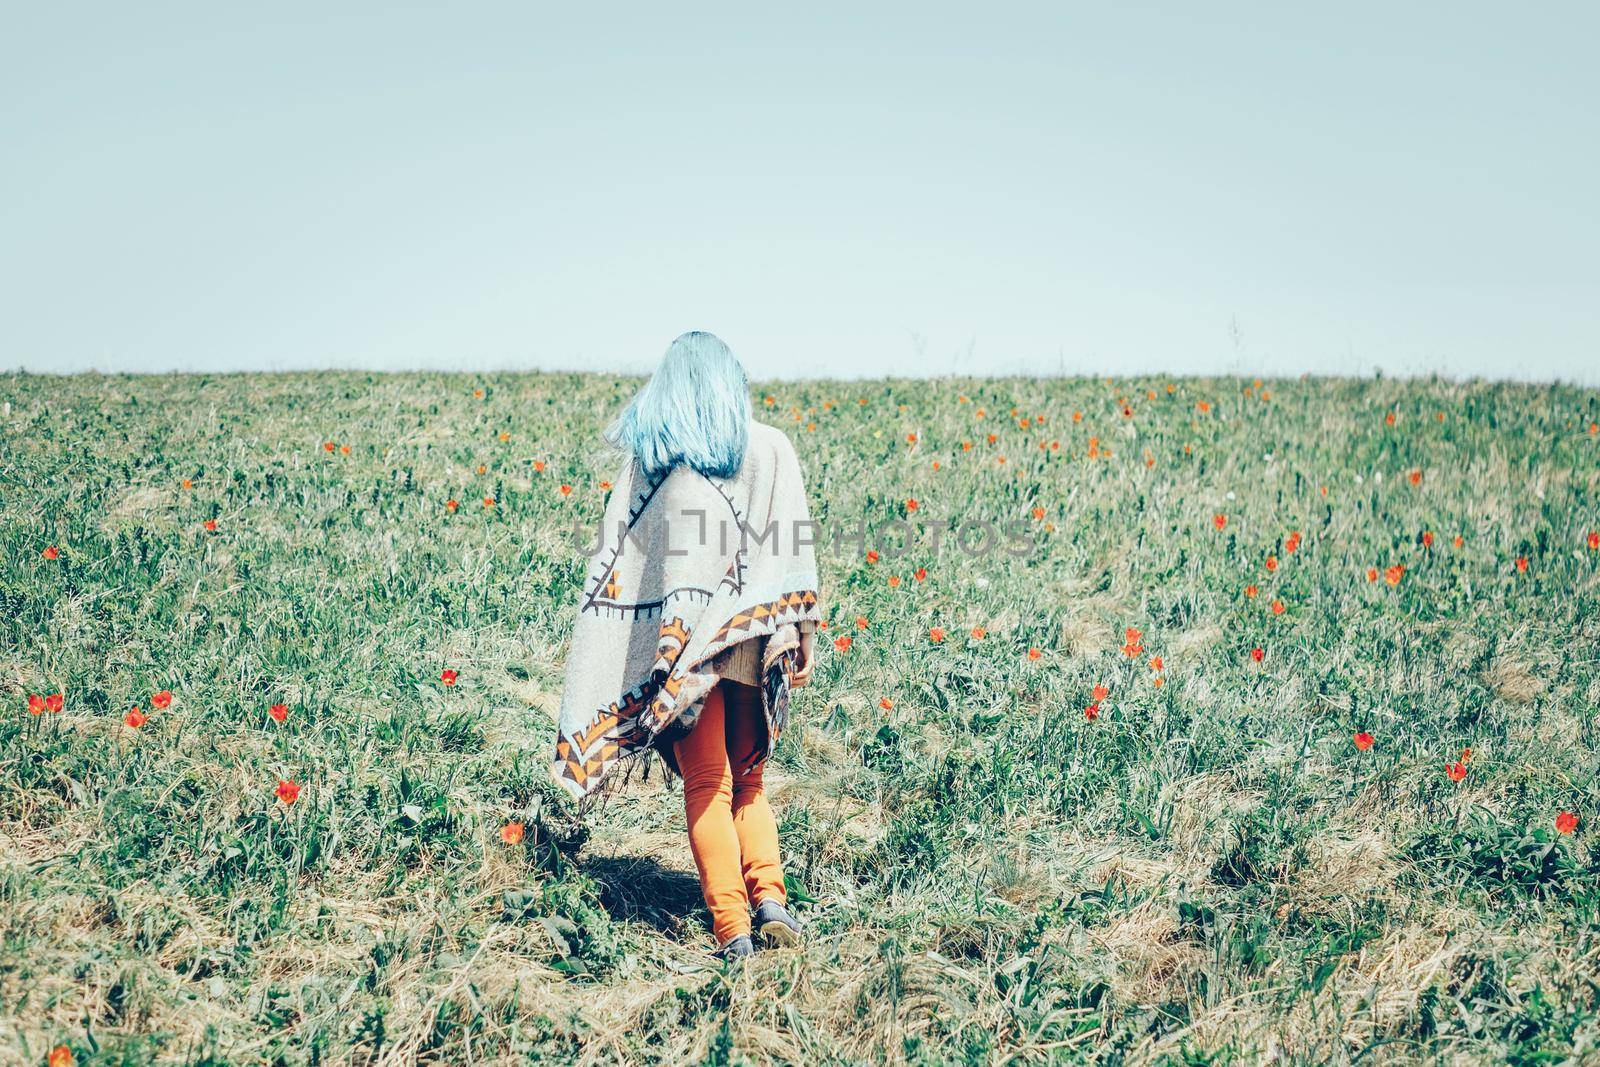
<point x="1215" y="867"/>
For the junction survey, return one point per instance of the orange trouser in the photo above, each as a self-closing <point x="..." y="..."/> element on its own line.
<point x="731" y="829"/>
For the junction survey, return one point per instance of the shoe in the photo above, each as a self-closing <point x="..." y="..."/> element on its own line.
<point x="737" y="948"/>
<point x="777" y="927"/>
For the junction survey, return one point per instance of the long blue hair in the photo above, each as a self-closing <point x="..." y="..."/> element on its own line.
<point x="694" y="411"/>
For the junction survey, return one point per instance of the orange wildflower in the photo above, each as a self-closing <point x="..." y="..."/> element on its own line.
<point x="936" y="634"/>
<point x="135" y="718"/>
<point x="511" y="833"/>
<point x="288" y="791"/>
<point x="1395" y="573"/>
<point x="1363" y="740"/>
<point x="1566" y="822"/>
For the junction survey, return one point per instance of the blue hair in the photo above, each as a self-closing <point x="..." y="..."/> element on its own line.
<point x="694" y="411"/>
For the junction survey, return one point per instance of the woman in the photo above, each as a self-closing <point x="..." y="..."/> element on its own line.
<point x="695" y="621"/>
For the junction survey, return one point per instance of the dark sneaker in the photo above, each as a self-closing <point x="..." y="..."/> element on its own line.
<point x="778" y="929"/>
<point x="737" y="948"/>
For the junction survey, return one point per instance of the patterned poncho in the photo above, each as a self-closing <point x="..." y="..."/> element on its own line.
<point x="686" y="567"/>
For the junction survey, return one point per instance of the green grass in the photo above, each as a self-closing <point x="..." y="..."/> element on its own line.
<point x="1208" y="872"/>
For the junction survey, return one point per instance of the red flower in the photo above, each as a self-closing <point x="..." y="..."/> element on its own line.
<point x="1395" y="573"/>
<point x="1456" y="771"/>
<point x="1594" y="540"/>
<point x="936" y="634"/>
<point x="1038" y="513"/>
<point x="1156" y="664"/>
<point x="1293" y="542"/>
<point x="1034" y="653"/>
<point x="1427" y="538"/>
<point x="1389" y="419"/>
<point x="1101" y="692"/>
<point x="35" y="704"/>
<point x="861" y="622"/>
<point x="1277" y="607"/>
<point x="1363" y="740"/>
<point x="135" y="718"/>
<point x="1250" y="591"/>
<point x="1416" y="477"/>
<point x="1258" y="654"/>
<point x="885" y="703"/>
<point x="278" y="712"/>
<point x="566" y="490"/>
<point x="842" y="642"/>
<point x="55" y="702"/>
<point x="288" y="790"/>
<point x="1566" y="822"/>
<point x="488" y="501"/>
<point x="894" y="581"/>
<point x="51" y="552"/>
<point x="162" y="700"/>
<point x="1131" y="646"/>
<point x="872" y="555"/>
<point x="920" y="574"/>
<point x="1219" y="521"/>
<point x="911" y="505"/>
<point x="452" y="504"/>
<point x="328" y="446"/>
<point x="1092" y="712"/>
<point x="1522" y="564"/>
<point x="1272" y="563"/>
<point x="978" y="632"/>
<point x="911" y="438"/>
<point x="1459" y="541"/>
<point x="511" y="833"/>
<point x="1372" y="574"/>
<point x="210" y="525"/>
<point x="538" y="466"/>
<point x="61" y="1056"/>
<point x="448" y="676"/>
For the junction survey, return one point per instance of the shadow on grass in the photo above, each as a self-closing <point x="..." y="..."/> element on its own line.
<point x="642" y="889"/>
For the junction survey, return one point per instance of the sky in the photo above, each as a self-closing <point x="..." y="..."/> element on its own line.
<point x="844" y="190"/>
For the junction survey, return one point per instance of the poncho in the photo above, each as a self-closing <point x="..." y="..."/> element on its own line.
<point x="686" y="566"/>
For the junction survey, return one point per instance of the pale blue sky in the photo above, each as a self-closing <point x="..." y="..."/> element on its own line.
<point x="916" y="189"/>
